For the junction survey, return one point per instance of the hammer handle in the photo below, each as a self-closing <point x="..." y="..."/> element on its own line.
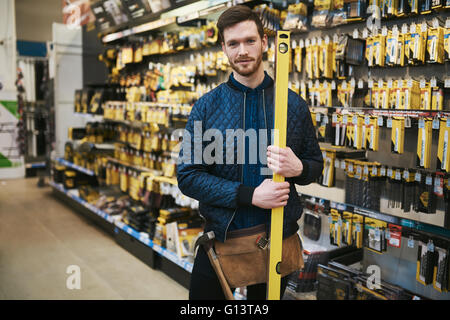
<point x="223" y="282"/>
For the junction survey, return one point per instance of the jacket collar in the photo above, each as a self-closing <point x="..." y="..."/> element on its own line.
<point x="266" y="83"/>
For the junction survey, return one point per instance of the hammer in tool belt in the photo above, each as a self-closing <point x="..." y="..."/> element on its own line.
<point x="207" y="241"/>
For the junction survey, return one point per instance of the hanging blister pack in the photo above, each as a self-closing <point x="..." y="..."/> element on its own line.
<point x="423" y="159"/>
<point x="374" y="236"/>
<point x="435" y="45"/>
<point x="426" y="259"/>
<point x="443" y="154"/>
<point x="357" y="230"/>
<point x="335" y="221"/>
<point x="441" y="274"/>
<point x="398" y="135"/>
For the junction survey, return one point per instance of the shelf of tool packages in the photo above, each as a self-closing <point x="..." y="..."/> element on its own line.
<point x="172" y="21"/>
<point x="407" y="223"/>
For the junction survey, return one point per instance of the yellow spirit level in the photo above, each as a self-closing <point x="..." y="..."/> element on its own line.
<point x="281" y="103"/>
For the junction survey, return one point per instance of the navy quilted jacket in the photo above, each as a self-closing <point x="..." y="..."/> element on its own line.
<point x="218" y="187"/>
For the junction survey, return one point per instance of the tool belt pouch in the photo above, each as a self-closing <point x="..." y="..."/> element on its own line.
<point x="245" y="263"/>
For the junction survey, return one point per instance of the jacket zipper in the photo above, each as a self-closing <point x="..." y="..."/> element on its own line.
<point x="242" y="169"/>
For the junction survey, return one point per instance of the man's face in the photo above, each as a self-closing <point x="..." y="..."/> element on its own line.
<point x="244" y="47"/>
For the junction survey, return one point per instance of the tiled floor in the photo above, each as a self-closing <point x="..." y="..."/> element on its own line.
<point x="40" y="238"/>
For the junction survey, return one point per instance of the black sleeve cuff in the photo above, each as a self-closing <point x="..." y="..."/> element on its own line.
<point x="305" y="170"/>
<point x="245" y="195"/>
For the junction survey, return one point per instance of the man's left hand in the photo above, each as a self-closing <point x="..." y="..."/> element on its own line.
<point x="284" y="162"/>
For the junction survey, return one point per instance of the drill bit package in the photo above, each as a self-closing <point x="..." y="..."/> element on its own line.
<point x="328" y="167"/>
<point x="424" y="143"/>
<point x="435" y="45"/>
<point x="326" y="58"/>
<point x="373" y="134"/>
<point x="357" y="230"/>
<point x="425" y="95"/>
<point x="441" y="274"/>
<point x="374" y="237"/>
<point x="426" y="259"/>
<point x="358" y="121"/>
<point x="379" y="50"/>
<point x="409" y="186"/>
<point x="398" y="135"/>
<point x="412" y="94"/>
<point x="447" y="41"/>
<point x="425" y="198"/>
<point x="335" y="227"/>
<point x="298" y="58"/>
<point x="443" y="154"/>
<point x="417" y="46"/>
<point x="347" y="225"/>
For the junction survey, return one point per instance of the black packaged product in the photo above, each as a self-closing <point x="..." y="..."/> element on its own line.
<point x="426" y="259"/>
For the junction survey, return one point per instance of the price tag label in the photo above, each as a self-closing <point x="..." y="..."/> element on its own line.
<point x="301" y="43"/>
<point x="429" y="180"/>
<point x="360" y="84"/>
<point x="447" y="83"/>
<point x="430" y="246"/>
<point x="418" y="176"/>
<point x="387" y="235"/>
<point x="389" y="172"/>
<point x="370" y="83"/>
<point x="421" y="123"/>
<point x="367" y="120"/>
<point x="433" y="82"/>
<point x="380" y="83"/>
<point x="411" y="243"/>
<point x="355" y="34"/>
<point x="448" y="122"/>
<point x="389" y="123"/>
<point x="383" y="171"/>
<point x="398" y="175"/>
<point x="334" y="118"/>
<point x="333" y="85"/>
<point x="358" y="227"/>
<point x="409" y="83"/>
<point x="422" y="83"/>
<point x="406" y="175"/>
<point x="343" y="164"/>
<point x="318" y="117"/>
<point x="294" y="44"/>
<point x="345" y="119"/>
<point x="389" y="83"/>
<point x="436" y="124"/>
<point x="423" y="27"/>
<point x="337" y="164"/>
<point x="355" y="119"/>
<point x="327" y="39"/>
<point x="366" y="170"/>
<point x="374" y="171"/>
<point x="380" y="121"/>
<point x="404" y="28"/>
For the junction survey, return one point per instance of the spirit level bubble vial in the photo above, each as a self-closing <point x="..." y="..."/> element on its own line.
<point x="281" y="102"/>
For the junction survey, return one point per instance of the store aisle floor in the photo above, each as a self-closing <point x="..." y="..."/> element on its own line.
<point x="40" y="237"/>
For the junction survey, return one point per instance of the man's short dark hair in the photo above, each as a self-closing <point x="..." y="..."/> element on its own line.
<point x="235" y="15"/>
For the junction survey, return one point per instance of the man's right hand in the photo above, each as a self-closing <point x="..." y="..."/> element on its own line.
<point x="270" y="194"/>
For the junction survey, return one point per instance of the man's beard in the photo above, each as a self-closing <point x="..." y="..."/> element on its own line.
<point x="246" y="71"/>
